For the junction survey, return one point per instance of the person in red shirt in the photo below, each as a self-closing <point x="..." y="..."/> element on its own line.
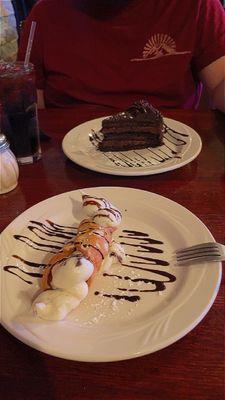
<point x="115" y="52"/>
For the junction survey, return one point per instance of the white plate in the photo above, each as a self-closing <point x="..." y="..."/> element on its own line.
<point x="103" y="328"/>
<point x="177" y="151"/>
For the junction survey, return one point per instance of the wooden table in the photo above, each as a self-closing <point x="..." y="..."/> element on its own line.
<point x="193" y="367"/>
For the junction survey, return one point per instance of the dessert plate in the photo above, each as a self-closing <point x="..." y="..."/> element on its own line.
<point x="181" y="145"/>
<point x="131" y="310"/>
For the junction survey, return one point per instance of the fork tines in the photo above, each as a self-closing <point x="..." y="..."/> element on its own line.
<point x="211" y="246"/>
<point x="205" y="251"/>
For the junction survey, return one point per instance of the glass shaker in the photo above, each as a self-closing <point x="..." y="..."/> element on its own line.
<point x="9" y="171"/>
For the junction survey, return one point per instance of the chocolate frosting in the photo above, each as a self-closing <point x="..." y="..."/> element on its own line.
<point x="141" y="111"/>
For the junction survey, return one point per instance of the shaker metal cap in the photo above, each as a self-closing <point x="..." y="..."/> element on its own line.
<point x="4" y="144"/>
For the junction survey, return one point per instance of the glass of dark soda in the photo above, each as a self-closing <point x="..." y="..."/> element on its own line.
<point x="19" y="119"/>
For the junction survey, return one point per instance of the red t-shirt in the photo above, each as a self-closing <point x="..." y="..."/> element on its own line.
<point x="152" y="49"/>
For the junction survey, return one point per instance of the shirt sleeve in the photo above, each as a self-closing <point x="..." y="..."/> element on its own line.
<point x="37" y="51"/>
<point x="210" y="43"/>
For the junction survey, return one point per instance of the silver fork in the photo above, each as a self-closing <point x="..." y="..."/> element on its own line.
<point x="210" y="251"/>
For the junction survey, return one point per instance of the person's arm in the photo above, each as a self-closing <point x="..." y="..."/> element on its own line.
<point x="40" y="99"/>
<point x="213" y="78"/>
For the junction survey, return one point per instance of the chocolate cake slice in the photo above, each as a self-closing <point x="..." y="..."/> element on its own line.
<point x="138" y="127"/>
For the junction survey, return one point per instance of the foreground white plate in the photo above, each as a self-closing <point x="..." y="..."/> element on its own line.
<point x="106" y="328"/>
<point x="178" y="150"/>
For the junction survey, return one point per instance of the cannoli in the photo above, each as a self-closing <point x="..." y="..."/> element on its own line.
<point x="69" y="273"/>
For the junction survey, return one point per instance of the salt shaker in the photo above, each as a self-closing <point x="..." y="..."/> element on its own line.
<point x="9" y="171"/>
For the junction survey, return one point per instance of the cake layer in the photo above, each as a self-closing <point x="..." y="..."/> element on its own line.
<point x="129" y="143"/>
<point x="129" y="121"/>
<point x="131" y="129"/>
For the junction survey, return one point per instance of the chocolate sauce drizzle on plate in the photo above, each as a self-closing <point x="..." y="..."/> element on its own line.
<point x="172" y="148"/>
<point x="49" y="230"/>
<point x="158" y="279"/>
<point x="144" y="253"/>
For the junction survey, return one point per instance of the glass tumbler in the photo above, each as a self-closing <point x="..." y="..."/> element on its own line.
<point x="19" y="119"/>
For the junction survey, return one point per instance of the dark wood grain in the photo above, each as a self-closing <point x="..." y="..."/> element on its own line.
<point x="193" y="367"/>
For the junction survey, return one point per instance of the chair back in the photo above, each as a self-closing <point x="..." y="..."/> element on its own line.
<point x="22" y="9"/>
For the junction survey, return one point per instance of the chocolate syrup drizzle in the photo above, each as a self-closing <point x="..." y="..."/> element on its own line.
<point x="130" y="239"/>
<point x="66" y="232"/>
<point x="173" y="141"/>
<point x="144" y="243"/>
<point x="9" y="269"/>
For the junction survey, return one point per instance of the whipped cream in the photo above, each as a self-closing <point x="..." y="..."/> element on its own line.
<point x="116" y="254"/>
<point x="101" y="210"/>
<point x="107" y="217"/>
<point x="69" y="288"/>
<point x="92" y="204"/>
<point x="72" y="271"/>
<point x="54" y="305"/>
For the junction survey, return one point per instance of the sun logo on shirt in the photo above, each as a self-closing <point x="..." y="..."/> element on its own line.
<point x="159" y="45"/>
